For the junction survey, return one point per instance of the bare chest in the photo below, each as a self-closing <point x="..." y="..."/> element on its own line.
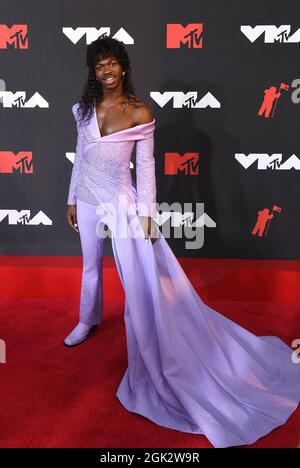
<point x="113" y="119"/>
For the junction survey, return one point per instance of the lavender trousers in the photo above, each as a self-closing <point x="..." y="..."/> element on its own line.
<point x="91" y="295"/>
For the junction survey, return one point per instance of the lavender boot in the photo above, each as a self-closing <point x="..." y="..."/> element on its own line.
<point x="80" y="333"/>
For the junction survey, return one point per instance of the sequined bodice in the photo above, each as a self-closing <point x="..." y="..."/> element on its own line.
<point x="104" y="161"/>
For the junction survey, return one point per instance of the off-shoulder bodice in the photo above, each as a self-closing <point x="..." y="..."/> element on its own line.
<point x="106" y="160"/>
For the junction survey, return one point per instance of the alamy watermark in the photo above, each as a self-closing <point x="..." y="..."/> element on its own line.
<point x="296" y="353"/>
<point x="2" y="352"/>
<point x="175" y="220"/>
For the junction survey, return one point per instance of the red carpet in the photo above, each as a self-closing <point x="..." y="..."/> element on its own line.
<point x="53" y="396"/>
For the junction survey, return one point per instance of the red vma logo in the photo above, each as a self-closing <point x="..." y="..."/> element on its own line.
<point x="190" y="36"/>
<point x="20" y="162"/>
<point x="14" y="37"/>
<point x="270" y="100"/>
<point x="264" y="218"/>
<point x="176" y="163"/>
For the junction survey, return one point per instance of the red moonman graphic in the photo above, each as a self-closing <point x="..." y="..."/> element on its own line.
<point x="270" y="97"/>
<point x="263" y="220"/>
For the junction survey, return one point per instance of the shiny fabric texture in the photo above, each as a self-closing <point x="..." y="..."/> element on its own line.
<point x="189" y="368"/>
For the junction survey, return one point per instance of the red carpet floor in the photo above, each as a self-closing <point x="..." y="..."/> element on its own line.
<point x="53" y="396"/>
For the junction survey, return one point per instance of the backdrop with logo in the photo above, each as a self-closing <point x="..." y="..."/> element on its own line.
<point x="222" y="79"/>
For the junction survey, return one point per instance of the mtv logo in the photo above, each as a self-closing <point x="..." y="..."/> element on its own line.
<point x="15" y="37"/>
<point x="190" y="36"/>
<point x="187" y="163"/>
<point x="20" y="162"/>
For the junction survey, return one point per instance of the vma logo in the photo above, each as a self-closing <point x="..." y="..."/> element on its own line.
<point x="264" y="161"/>
<point x="187" y="218"/>
<point x="187" y="163"/>
<point x="15" y="217"/>
<point x="189" y="36"/>
<point x="20" y="162"/>
<point x="91" y="34"/>
<point x="185" y="100"/>
<point x="18" y="99"/>
<point x="272" y="34"/>
<point x="184" y="223"/>
<point x="14" y="37"/>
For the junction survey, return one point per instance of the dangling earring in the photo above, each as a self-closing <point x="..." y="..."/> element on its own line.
<point x="123" y="73"/>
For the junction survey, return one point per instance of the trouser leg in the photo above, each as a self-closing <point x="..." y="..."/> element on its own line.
<point x="91" y="295"/>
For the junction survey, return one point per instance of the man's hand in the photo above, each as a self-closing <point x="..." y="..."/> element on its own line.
<point x="72" y="217"/>
<point x="149" y="228"/>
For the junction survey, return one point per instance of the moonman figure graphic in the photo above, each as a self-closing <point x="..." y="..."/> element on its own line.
<point x="270" y="96"/>
<point x="262" y="219"/>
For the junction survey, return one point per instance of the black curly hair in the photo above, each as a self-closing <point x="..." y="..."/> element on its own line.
<point x="103" y="47"/>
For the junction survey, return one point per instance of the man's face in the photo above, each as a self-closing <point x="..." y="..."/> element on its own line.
<point x="108" y="72"/>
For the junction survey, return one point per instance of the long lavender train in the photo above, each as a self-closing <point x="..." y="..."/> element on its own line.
<point x="189" y="368"/>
